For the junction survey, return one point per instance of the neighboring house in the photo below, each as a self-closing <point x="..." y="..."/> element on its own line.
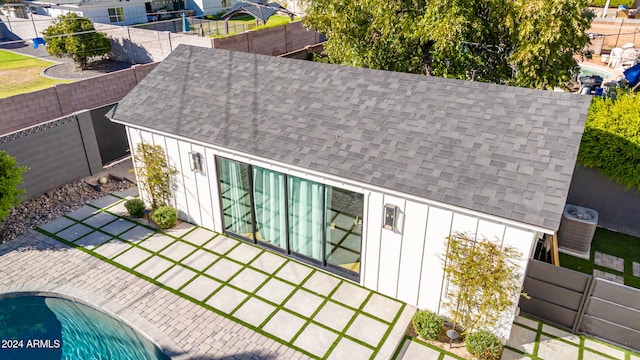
<point x="362" y="173"/>
<point x="208" y="7"/>
<point x="115" y="12"/>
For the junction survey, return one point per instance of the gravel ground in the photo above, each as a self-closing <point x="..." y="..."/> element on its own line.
<point x="51" y="205"/>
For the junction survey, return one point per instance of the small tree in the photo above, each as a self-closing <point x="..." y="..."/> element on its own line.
<point x="483" y="281"/>
<point x="154" y="173"/>
<point x="85" y="44"/>
<point x="10" y="178"/>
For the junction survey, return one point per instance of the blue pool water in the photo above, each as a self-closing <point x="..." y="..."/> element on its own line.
<point x="33" y="327"/>
<point x="588" y="71"/>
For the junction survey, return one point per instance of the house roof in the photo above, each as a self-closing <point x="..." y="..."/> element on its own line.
<point x="500" y="150"/>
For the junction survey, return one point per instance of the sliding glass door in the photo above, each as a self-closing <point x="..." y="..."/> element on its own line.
<point x="311" y="221"/>
<point x="269" y="205"/>
<point x="235" y="197"/>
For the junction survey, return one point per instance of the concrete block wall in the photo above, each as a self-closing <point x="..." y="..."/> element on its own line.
<point x="25" y="110"/>
<point x="617" y="206"/>
<point x="56" y="152"/>
<point x="303" y="53"/>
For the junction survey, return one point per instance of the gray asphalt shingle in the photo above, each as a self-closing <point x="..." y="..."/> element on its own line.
<point x="500" y="150"/>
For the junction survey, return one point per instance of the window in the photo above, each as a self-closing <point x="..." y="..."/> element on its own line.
<point x="316" y="223"/>
<point x="226" y="3"/>
<point x="116" y="14"/>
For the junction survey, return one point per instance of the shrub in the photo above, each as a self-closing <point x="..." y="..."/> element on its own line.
<point x="611" y="140"/>
<point x="427" y="324"/>
<point x="165" y="217"/>
<point x="135" y="207"/>
<point x="10" y="178"/>
<point x="484" y="345"/>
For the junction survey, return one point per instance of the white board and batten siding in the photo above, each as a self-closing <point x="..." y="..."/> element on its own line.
<point x="405" y="264"/>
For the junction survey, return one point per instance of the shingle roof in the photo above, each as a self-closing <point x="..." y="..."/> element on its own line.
<point x="500" y="150"/>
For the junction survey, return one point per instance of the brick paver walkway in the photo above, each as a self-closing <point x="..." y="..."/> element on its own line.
<point x="197" y="293"/>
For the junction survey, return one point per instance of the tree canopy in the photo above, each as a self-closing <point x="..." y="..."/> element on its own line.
<point x="513" y="42"/>
<point x="80" y="47"/>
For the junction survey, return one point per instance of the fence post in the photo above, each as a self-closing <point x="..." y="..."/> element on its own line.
<point x="583" y="304"/>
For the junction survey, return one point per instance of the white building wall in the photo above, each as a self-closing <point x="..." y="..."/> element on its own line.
<point x="206" y="7"/>
<point x="134" y="13"/>
<point x="405" y="263"/>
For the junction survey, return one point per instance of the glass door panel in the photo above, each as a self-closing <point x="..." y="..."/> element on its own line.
<point x="306" y="208"/>
<point x="344" y="228"/>
<point x="270" y="207"/>
<point x="235" y="196"/>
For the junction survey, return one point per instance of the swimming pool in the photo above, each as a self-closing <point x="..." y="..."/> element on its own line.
<point x="586" y="70"/>
<point x="35" y="327"/>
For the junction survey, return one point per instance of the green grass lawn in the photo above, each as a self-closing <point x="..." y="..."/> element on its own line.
<point x="21" y="74"/>
<point x="241" y="24"/>
<point x="612" y="243"/>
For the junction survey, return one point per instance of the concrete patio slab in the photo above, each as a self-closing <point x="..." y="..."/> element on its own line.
<point x="153" y="267"/>
<point x="178" y="250"/>
<point x="100" y="219"/>
<point x="350" y="294"/>
<point x="527" y="322"/>
<point x="603" y="348"/>
<point x="254" y="311"/>
<point x="382" y="307"/>
<point x="226" y="299"/>
<point x="609" y="261"/>
<point x="522" y="339"/>
<point x="82" y="213"/>
<point x="180" y="229"/>
<point x="588" y="355"/>
<point x="321" y="283"/>
<point x="608" y="276"/>
<point x="57" y="225"/>
<point x="244" y="253"/>
<point x="118" y="227"/>
<point x="137" y="234"/>
<point x="132" y="257"/>
<point x="636" y="269"/>
<point x="200" y="260"/>
<point x="303" y="303"/>
<point x="248" y="280"/>
<point x="112" y="248"/>
<point x="348" y="349"/>
<point x="512" y="355"/>
<point x="199" y="236"/>
<point x="176" y="276"/>
<point x="223" y="269"/>
<point x="550" y="349"/>
<point x="93" y="239"/>
<point x="157" y="242"/>
<point x="268" y="262"/>
<point x="412" y="350"/>
<point x="201" y="287"/>
<point x="74" y="232"/>
<point x="315" y="340"/>
<point x="283" y="325"/>
<point x="334" y="316"/>
<point x="106" y="201"/>
<point x="564" y="335"/>
<point x="293" y="272"/>
<point x="367" y="329"/>
<point x="221" y="244"/>
<point x="275" y="291"/>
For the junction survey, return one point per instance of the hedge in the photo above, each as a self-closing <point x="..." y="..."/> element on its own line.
<point x="613" y="4"/>
<point x="611" y="140"/>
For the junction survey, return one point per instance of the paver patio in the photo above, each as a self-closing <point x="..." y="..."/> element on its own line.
<point x="281" y="307"/>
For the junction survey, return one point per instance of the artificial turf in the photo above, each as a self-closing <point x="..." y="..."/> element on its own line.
<point x="612" y="243"/>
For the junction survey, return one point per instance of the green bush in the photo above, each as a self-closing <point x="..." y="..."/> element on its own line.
<point x="613" y="4"/>
<point x="135" y="207"/>
<point x="165" y="217"/>
<point x="427" y="324"/>
<point x="484" y="345"/>
<point x="611" y="139"/>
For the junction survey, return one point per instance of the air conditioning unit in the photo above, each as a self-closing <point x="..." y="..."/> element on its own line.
<point x="576" y="231"/>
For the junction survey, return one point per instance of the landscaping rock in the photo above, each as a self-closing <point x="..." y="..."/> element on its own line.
<point x="51" y="205"/>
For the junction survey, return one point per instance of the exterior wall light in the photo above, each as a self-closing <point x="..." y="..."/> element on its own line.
<point x="196" y="161"/>
<point x="390" y="220"/>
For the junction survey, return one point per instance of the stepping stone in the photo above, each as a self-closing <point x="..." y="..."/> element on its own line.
<point x="609" y="261"/>
<point x="608" y="276"/>
<point x="636" y="269"/>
